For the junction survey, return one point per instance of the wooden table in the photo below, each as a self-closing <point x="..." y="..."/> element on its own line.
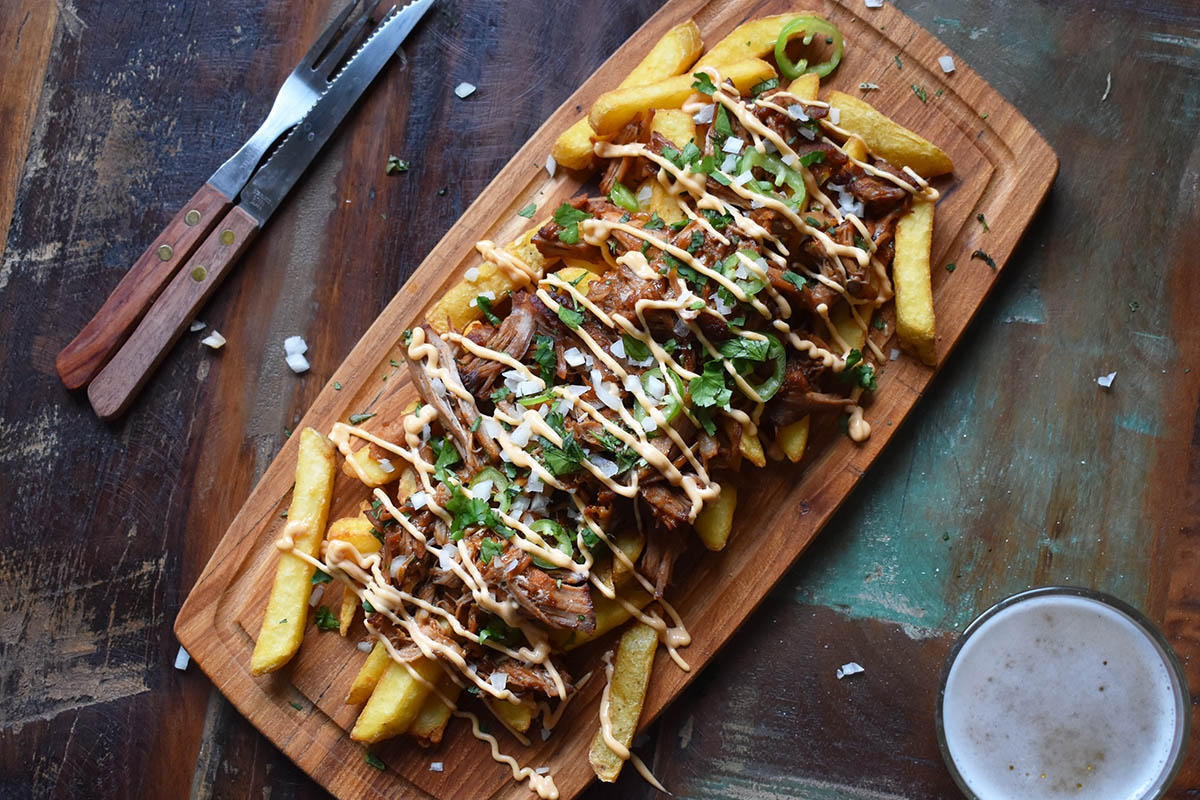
<point x="1017" y="470"/>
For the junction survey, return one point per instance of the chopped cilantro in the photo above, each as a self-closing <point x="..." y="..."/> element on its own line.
<point x="690" y="152"/>
<point x="326" y="621"/>
<point x="764" y="86"/>
<point x="528" y="211"/>
<point x="951" y="267"/>
<point x="500" y="632"/>
<point x="635" y="349"/>
<point x="721" y="122"/>
<point x="859" y="372"/>
<point x="795" y="279"/>
<point x="543" y="355"/>
<point x="697" y="241"/>
<point x="880" y="324"/>
<point x="562" y="460"/>
<point x="395" y="164"/>
<point x="709" y="389"/>
<point x="810" y="158"/>
<point x="568" y="218"/>
<point x="374" y="760"/>
<point x="357" y="419"/>
<point x="500" y="394"/>
<point x="715" y="218"/>
<point x="488" y="549"/>
<point x="984" y="257"/>
<point x="570" y="317"/>
<point x="919" y="92"/>
<point x="982" y="221"/>
<point x="367" y="607"/>
<point x="320" y="576"/>
<point x="337" y="387"/>
<point x="655" y="223"/>
<point x="703" y="83"/>
<point x="899" y="63"/>
<point x="446" y="453"/>
<point x="623" y="197"/>
<point x="296" y="705"/>
<point x="485" y="305"/>
<point x="743" y="348"/>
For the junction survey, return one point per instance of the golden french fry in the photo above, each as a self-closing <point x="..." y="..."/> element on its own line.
<point x="753" y="39"/>
<point x="715" y="521"/>
<point x="675" y="125"/>
<point x="910" y="272"/>
<point x="358" y="532"/>
<point x="581" y="277"/>
<point x="396" y="701"/>
<point x="613" y="110"/>
<point x="369" y="674"/>
<point x="431" y="720"/>
<point x="517" y="716"/>
<point x="631" y="543"/>
<point x="847" y="327"/>
<point x="671" y="56"/>
<point x="793" y="439"/>
<point x="855" y="147"/>
<point x="626" y="694"/>
<point x="455" y="310"/>
<point x="752" y="450"/>
<point x="287" y="608"/>
<point x="662" y="203"/>
<point x="371" y="471"/>
<point x="887" y="139"/>
<point x="805" y="87"/>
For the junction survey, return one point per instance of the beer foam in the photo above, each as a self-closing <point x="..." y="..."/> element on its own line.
<point x="1060" y="695"/>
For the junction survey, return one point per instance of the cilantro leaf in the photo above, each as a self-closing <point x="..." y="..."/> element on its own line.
<point x="655" y="224"/>
<point x="742" y="348"/>
<point x="562" y="460"/>
<point x="721" y="122"/>
<point x="808" y="159"/>
<point x="326" y="620"/>
<point x="485" y="305"/>
<point x="320" y="576"/>
<point x="703" y="83"/>
<point x="635" y="349"/>
<point x="570" y="317"/>
<point x="488" y="549"/>
<point x="395" y="164"/>
<point x="356" y="419"/>
<point x="528" y="211"/>
<point x="568" y="218"/>
<point x="543" y="355"/>
<point x="795" y="279"/>
<point x="708" y="389"/>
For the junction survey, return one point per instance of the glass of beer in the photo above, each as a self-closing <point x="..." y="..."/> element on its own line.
<point x="1063" y="692"/>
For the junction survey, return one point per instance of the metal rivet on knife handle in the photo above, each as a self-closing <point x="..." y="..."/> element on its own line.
<point x="227" y="237"/>
<point x="199" y="273"/>
<point x="165" y="252"/>
<point x="192" y="217"/>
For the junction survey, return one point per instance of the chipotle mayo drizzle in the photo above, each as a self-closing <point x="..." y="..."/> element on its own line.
<point x="364" y="574"/>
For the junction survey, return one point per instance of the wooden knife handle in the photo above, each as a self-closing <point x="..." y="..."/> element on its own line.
<point x="88" y="352"/>
<point x="118" y="383"/>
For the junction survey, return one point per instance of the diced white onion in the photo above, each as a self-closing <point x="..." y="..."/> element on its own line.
<point x="649" y="425"/>
<point x="741" y="272"/>
<point x="743" y="179"/>
<point x="395" y="567"/>
<point x="545" y="734"/>
<point x="534" y="484"/>
<point x="464" y="90"/>
<point x="472" y="274"/>
<point x="295" y="344"/>
<point x="366" y="647"/>
<point x="575" y="391"/>
<point x="315" y="597"/>
<point x="214" y="340"/>
<point x="656" y="387"/>
<point x="563" y="407"/>
<point x="182" y="659"/>
<point x="529" y="387"/>
<point x="542" y="770"/>
<point x="631" y="383"/>
<point x="551" y="165"/>
<point x="520" y="505"/>
<point x="894" y="354"/>
<point x="418" y="500"/>
<point x="607" y="468"/>
<point x="733" y="145"/>
<point x="492" y="428"/>
<point x="835" y="115"/>
<point x="788" y="159"/>
<point x="874" y="3"/>
<point x="705" y="114"/>
<point x="852" y="668"/>
<point x="946" y="63"/>
<point x="521" y="434"/>
<point x="1106" y="380"/>
<point x="729" y="164"/>
<point x="543" y="410"/>
<point x="618" y="348"/>
<point x="499" y="680"/>
<point x="436" y="766"/>
<point x="573" y="357"/>
<point x="645" y="193"/>
<point x="680" y="328"/>
<point x="769" y="147"/>
<point x="807" y="133"/>
<point x="197" y="326"/>
<point x="723" y="308"/>
<point x="438" y="386"/>
<point x="797" y="112"/>
<point x="482" y="490"/>
<point x="607" y="393"/>
<point x="446" y="557"/>
<point x="386" y="465"/>
<point x="297" y="363"/>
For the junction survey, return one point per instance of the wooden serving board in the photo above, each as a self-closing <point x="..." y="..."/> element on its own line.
<point x="1003" y="170"/>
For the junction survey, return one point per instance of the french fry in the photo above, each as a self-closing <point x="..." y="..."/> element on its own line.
<point x="671" y="56"/>
<point x="287" y="608"/>
<point x="662" y="203"/>
<point x="455" y="310"/>
<point x="581" y="277"/>
<point x="915" y="323"/>
<point x="793" y="439"/>
<point x="631" y="543"/>
<point x="363" y="466"/>
<point x="855" y="147"/>
<point x="396" y="701"/>
<point x="369" y="674"/>
<point x="356" y="531"/>
<point x="888" y="139"/>
<point x="805" y="87"/>
<point x="431" y="720"/>
<point x="753" y="39"/>
<point x="517" y="716"/>
<point x="715" y="521"/>
<point x="675" y="125"/>
<point x="626" y="694"/>
<point x="613" y="110"/>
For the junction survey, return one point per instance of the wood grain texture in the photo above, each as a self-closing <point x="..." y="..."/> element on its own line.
<point x="1015" y="468"/>
<point x="220" y="620"/>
